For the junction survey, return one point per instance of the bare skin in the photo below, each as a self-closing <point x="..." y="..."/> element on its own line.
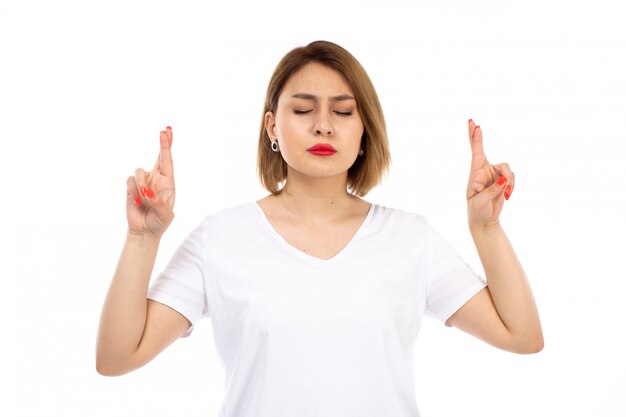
<point x="323" y="239"/>
<point x="133" y="330"/>
<point x="504" y="314"/>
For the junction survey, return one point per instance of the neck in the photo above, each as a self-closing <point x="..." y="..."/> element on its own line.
<point x="317" y="200"/>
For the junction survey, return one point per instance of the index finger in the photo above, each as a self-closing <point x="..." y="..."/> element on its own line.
<point x="476" y="143"/>
<point x="164" y="163"/>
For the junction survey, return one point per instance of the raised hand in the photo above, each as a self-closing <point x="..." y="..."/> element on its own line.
<point x="488" y="186"/>
<point x="150" y="195"/>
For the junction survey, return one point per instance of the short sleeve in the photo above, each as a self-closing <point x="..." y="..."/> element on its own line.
<point x="181" y="284"/>
<point x="451" y="281"/>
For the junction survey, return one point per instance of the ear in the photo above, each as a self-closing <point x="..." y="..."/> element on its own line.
<point x="270" y="125"/>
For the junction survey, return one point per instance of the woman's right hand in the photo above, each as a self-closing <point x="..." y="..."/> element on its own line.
<point x="150" y="195"/>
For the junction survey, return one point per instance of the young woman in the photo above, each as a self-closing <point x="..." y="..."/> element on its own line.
<point x="316" y="296"/>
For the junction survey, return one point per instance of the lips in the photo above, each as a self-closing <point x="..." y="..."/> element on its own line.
<point x="322" y="149"/>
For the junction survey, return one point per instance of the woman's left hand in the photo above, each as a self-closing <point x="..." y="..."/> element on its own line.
<point x="488" y="185"/>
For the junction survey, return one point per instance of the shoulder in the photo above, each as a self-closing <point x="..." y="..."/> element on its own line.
<point x="228" y="213"/>
<point x="232" y="212"/>
<point x="398" y="223"/>
<point x="390" y="216"/>
<point x="231" y="221"/>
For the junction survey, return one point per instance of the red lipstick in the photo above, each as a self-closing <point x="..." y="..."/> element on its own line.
<point x="322" y="149"/>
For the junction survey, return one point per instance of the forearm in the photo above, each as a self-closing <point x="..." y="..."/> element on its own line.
<point x="508" y="285"/>
<point x="124" y="312"/>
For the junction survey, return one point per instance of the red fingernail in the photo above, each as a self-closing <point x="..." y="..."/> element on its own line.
<point x="507" y="192"/>
<point x="469" y="121"/>
<point x="501" y="180"/>
<point x="137" y="201"/>
<point x="149" y="193"/>
<point x="477" y="126"/>
<point x="142" y="190"/>
<point x="169" y="128"/>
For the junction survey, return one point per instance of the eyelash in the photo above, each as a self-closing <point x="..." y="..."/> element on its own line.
<point x="305" y="112"/>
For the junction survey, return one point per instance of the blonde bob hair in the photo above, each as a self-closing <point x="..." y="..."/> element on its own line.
<point x="368" y="170"/>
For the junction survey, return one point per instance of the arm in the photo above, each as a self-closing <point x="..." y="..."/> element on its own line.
<point x="133" y="329"/>
<point x="504" y="314"/>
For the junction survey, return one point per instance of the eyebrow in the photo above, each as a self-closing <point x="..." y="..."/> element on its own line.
<point x="308" y="96"/>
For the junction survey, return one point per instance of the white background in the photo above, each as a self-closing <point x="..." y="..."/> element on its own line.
<point x="85" y="88"/>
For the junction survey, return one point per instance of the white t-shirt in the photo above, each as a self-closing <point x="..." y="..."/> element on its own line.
<point x="301" y="336"/>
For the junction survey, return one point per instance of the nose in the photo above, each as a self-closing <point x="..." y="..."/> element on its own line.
<point x="323" y="125"/>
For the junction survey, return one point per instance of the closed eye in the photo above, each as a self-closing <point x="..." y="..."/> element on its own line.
<point x="349" y="113"/>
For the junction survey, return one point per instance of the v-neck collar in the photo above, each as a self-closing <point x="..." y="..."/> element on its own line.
<point x="305" y="256"/>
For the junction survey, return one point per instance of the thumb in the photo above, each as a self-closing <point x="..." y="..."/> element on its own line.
<point x="163" y="211"/>
<point x="493" y="191"/>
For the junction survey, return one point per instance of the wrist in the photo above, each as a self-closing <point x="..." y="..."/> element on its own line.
<point x="485" y="228"/>
<point x="142" y="238"/>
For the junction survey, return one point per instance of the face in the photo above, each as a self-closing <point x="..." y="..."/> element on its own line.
<point x="316" y="108"/>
